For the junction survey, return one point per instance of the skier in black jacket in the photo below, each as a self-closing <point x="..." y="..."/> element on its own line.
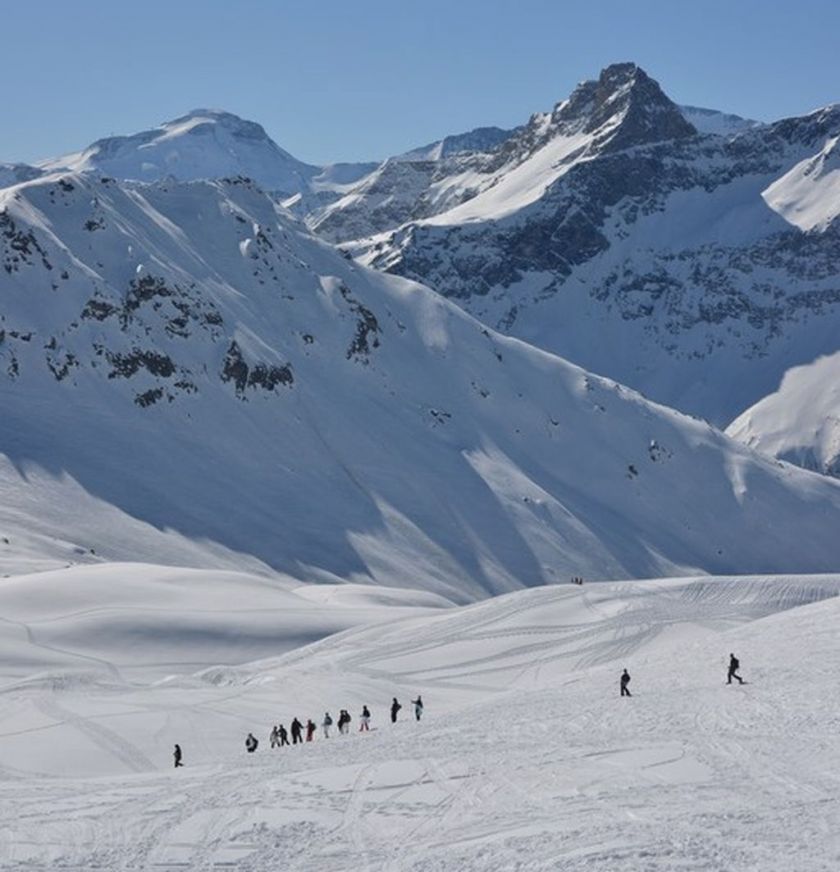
<point x="251" y="743"/>
<point x="395" y="707"/>
<point x="625" y="680"/>
<point x="297" y="729"/>
<point x="177" y="756"/>
<point x="734" y="666"/>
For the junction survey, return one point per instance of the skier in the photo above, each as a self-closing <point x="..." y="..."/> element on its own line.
<point x="297" y="727"/>
<point x="251" y="743"/>
<point x="326" y="724"/>
<point x="625" y="680"/>
<point x="395" y="707"/>
<point x="364" y="720"/>
<point x="177" y="755"/>
<point x="274" y="738"/>
<point x="734" y="666"/>
<point x="310" y="729"/>
<point x="418" y="707"/>
<point x="283" y="733"/>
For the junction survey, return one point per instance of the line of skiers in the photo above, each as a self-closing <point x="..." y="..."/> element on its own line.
<point x="279" y="736"/>
<point x="732" y="672"/>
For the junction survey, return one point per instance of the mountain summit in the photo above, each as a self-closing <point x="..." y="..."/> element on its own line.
<point x="625" y="106"/>
<point x="203" y="144"/>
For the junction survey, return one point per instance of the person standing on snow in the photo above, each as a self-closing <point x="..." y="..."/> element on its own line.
<point x="418" y="707"/>
<point x="395" y="707"/>
<point x="625" y="680"/>
<point x="176" y="754"/>
<point x="297" y="728"/>
<point x="283" y="733"/>
<point x="734" y="666"/>
<point x="274" y="737"/>
<point x="364" y="720"/>
<point x="326" y="724"/>
<point x="251" y="743"/>
<point x="310" y="730"/>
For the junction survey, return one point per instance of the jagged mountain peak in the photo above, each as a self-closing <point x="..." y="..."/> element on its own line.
<point x="623" y="105"/>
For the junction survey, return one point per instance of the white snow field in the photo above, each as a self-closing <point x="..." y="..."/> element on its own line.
<point x="526" y="758"/>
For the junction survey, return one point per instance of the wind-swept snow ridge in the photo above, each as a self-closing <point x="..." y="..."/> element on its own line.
<point x="184" y="363"/>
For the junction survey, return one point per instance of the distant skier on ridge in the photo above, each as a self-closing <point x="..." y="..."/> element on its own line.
<point x="418" y="707"/>
<point x="251" y="743"/>
<point x="625" y="680"/>
<point x="395" y="707"/>
<point x="734" y="666"/>
<point x="176" y="754"/>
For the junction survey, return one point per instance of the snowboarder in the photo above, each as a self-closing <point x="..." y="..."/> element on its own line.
<point x="177" y="755"/>
<point x="297" y="728"/>
<point x="283" y="733"/>
<point x="395" y="707"/>
<point x="326" y="724"/>
<point x="274" y="737"/>
<point x="251" y="743"/>
<point x="734" y="666"/>
<point x="310" y="729"/>
<point x="418" y="707"/>
<point x="625" y="680"/>
<point x="364" y="720"/>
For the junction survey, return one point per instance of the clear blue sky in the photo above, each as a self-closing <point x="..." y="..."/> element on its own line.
<point x="361" y="79"/>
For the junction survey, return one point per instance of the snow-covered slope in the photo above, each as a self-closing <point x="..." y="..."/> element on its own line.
<point x="526" y="757"/>
<point x="800" y="422"/>
<point x="14" y="174"/>
<point x="808" y="196"/>
<point x="712" y="121"/>
<point x="481" y="139"/>
<point x="665" y="254"/>
<point x="204" y="144"/>
<point x="133" y="620"/>
<point x="184" y="369"/>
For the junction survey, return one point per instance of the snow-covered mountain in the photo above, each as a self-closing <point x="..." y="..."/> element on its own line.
<point x="204" y="144"/>
<point x="207" y="144"/>
<point x="663" y="246"/>
<point x="800" y="422"/>
<point x="186" y="373"/>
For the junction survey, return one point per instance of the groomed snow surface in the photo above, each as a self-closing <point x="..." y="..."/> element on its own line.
<point x="526" y="757"/>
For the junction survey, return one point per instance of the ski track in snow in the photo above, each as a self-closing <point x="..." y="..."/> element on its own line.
<point x="526" y="759"/>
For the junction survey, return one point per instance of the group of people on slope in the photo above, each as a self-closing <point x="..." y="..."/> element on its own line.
<point x="732" y="672"/>
<point x="279" y="735"/>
